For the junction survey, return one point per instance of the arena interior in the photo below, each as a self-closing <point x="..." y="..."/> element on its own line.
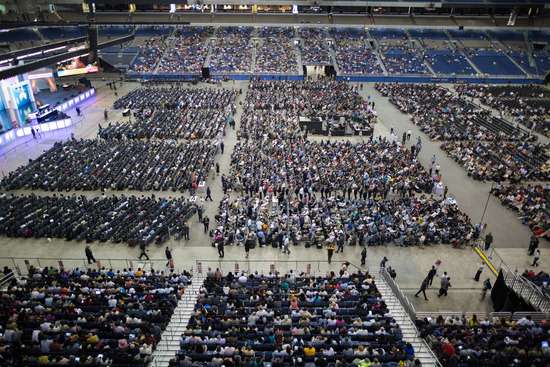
<point x="274" y="183"/>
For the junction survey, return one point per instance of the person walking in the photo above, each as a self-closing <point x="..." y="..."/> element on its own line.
<point x="199" y="213"/>
<point x="89" y="255"/>
<point x="220" y="245"/>
<point x="431" y="275"/>
<point x="286" y="243"/>
<point x="479" y="271"/>
<point x="383" y="262"/>
<point x="143" y="248"/>
<point x="247" y="244"/>
<point x="445" y="284"/>
<point x="217" y="169"/>
<point x="206" y="223"/>
<point x="222" y="146"/>
<point x="486" y="287"/>
<point x="363" y="256"/>
<point x="341" y="240"/>
<point x="488" y="241"/>
<point x="533" y="244"/>
<point x="170" y="261"/>
<point x="423" y="288"/>
<point x="33" y="133"/>
<point x="536" y="258"/>
<point x="208" y="193"/>
<point x="185" y="230"/>
<point x="330" y="251"/>
<point x="105" y="114"/>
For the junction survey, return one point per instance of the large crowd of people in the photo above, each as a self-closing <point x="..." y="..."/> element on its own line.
<point x="232" y="51"/>
<point x="251" y="319"/>
<point x="346" y="220"/>
<point x="188" y="124"/>
<point x="148" y="55"/>
<point x="314" y="47"/>
<point x="134" y="220"/>
<point x="473" y="342"/>
<point x="527" y="106"/>
<point x="487" y="147"/>
<point x="499" y="160"/>
<point x="276" y="56"/>
<point x="294" y="189"/>
<point x="86" y="317"/>
<point x="398" y="60"/>
<point x="187" y="52"/>
<point x="173" y="97"/>
<point x="529" y="202"/>
<point x="440" y="113"/>
<point x="117" y="165"/>
<point x="354" y="57"/>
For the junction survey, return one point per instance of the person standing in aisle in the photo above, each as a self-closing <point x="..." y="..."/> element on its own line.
<point x="185" y="230"/>
<point x="330" y="251"/>
<point x="445" y="284"/>
<point x="206" y="223"/>
<point x="89" y="255"/>
<point x="486" y="287"/>
<point x="208" y="193"/>
<point x="423" y="288"/>
<point x="479" y="271"/>
<point x="536" y="258"/>
<point x="170" y="261"/>
<point x="143" y="248"/>
<point x="488" y="241"/>
<point x="431" y="275"/>
<point x="364" y="256"/>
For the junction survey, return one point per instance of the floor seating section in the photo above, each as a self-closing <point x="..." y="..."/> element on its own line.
<point x="458" y="341"/>
<point x="289" y="320"/>
<point x="91" y="318"/>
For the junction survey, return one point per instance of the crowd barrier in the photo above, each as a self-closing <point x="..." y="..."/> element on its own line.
<point x="349" y="78"/>
<point x="434" y="79"/>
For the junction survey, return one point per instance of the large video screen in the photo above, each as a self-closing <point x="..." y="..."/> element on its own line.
<point x="21" y="95"/>
<point x="76" y="66"/>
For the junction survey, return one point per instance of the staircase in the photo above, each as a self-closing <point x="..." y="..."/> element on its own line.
<point x="334" y="60"/>
<point x="169" y="43"/>
<point x="298" y="58"/>
<point x="474" y="66"/>
<point x="376" y="51"/>
<point x="410" y="334"/>
<point x="209" y="54"/>
<point x="529" y="48"/>
<point x="254" y="53"/>
<point x="170" y="339"/>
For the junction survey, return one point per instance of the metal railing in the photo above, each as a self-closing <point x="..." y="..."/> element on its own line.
<point x="21" y="265"/>
<point x="404" y="300"/>
<point x="312" y="267"/>
<point x="421" y="345"/>
<point x="530" y="292"/>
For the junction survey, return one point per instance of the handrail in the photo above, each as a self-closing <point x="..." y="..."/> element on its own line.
<point x="411" y="313"/>
<point x="407" y="305"/>
<point x="307" y="266"/>
<point x="22" y="265"/>
<point x="524" y="288"/>
<point x="7" y="278"/>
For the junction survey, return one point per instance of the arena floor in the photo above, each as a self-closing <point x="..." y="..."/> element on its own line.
<point x="411" y="264"/>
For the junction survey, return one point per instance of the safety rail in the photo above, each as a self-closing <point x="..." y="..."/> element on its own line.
<point x="407" y="305"/>
<point x="535" y="316"/>
<point x="422" y="345"/>
<point x="530" y="292"/>
<point x="313" y="267"/>
<point x="6" y="279"/>
<point x="21" y="265"/>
